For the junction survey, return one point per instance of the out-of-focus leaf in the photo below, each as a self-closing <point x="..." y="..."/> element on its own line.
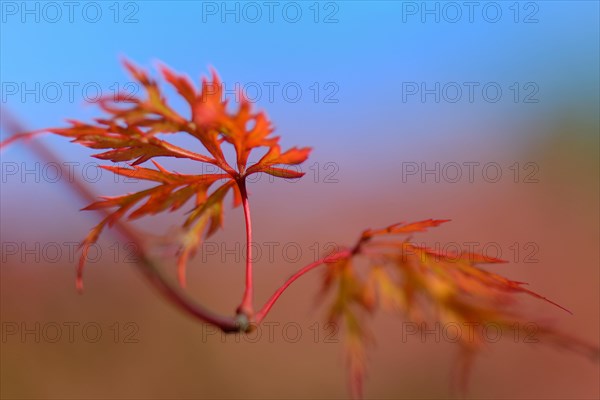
<point x="423" y="285"/>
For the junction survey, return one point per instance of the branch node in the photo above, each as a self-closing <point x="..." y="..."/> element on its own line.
<point x="243" y="323"/>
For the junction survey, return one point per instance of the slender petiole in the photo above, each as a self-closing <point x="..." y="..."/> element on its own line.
<point x="247" y="307"/>
<point x="267" y="307"/>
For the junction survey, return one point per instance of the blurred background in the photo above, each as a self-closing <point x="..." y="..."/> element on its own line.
<point x="486" y="113"/>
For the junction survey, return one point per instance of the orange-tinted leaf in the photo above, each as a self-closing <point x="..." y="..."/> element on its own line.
<point x="128" y="143"/>
<point x="424" y="284"/>
<point x="206" y="217"/>
<point x="129" y="132"/>
<point x="275" y="157"/>
<point x="182" y="83"/>
<point x="351" y="299"/>
<point x="402" y="228"/>
<point x="390" y="293"/>
<point x="474" y="258"/>
<point x="284" y="173"/>
<point x="90" y="239"/>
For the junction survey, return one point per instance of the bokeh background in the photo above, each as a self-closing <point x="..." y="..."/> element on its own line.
<point x="359" y="67"/>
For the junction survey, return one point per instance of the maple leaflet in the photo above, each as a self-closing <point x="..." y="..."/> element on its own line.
<point x="412" y="281"/>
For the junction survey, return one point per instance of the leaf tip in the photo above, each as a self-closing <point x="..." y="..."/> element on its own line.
<point x="79" y="286"/>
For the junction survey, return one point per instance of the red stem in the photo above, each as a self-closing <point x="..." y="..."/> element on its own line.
<point x="267" y="307"/>
<point x="247" y="305"/>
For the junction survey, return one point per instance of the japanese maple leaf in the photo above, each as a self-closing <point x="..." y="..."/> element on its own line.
<point x="414" y="282"/>
<point x="129" y="133"/>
